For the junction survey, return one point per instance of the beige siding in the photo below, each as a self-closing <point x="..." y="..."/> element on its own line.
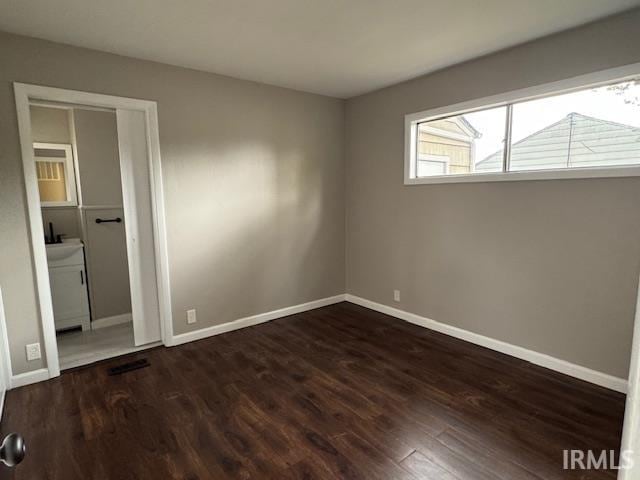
<point x="448" y="125"/>
<point x="458" y="151"/>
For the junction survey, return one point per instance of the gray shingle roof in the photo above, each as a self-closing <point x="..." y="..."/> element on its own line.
<point x="575" y="141"/>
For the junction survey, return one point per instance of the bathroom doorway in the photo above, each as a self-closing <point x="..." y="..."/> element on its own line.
<point x="93" y="182"/>
<point x="79" y="182"/>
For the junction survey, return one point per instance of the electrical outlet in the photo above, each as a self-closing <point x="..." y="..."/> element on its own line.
<point x="191" y="316"/>
<point x="33" y="351"/>
<point x="396" y="295"/>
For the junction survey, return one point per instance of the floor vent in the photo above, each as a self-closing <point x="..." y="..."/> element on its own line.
<point x="129" y="366"/>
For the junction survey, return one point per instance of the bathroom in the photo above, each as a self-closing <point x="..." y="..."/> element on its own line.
<point x="80" y="187"/>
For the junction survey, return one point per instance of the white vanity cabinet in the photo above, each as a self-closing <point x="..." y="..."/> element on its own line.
<point x="68" y="280"/>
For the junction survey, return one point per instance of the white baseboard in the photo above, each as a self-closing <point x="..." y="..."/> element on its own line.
<point x="541" y="359"/>
<point x="254" y="320"/>
<point x="111" y="321"/>
<point x="28" y="378"/>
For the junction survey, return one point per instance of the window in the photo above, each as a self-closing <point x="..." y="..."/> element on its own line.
<point x="587" y="131"/>
<point x="54" y="170"/>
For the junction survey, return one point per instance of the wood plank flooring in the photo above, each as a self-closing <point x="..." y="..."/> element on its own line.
<point x="338" y="392"/>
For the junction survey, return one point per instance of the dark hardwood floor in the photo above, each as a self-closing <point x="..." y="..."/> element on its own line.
<point x="338" y="392"/>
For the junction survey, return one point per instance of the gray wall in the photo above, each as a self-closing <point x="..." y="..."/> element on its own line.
<point x="50" y="125"/>
<point x="255" y="181"/>
<point x="548" y="265"/>
<point x="101" y="185"/>
<point x="98" y="157"/>
<point x="65" y="221"/>
<point x="253" y="177"/>
<point x="107" y="265"/>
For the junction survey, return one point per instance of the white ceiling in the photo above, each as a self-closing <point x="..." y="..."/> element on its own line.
<point x="340" y="48"/>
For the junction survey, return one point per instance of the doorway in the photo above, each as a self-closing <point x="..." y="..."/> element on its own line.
<point x="103" y="289"/>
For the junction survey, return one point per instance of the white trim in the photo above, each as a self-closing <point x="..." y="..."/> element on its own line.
<point x="78" y="98"/>
<point x="74" y="146"/>
<point x="541" y="359"/>
<point x="66" y="106"/>
<point x="593" y="172"/>
<point x="23" y="94"/>
<point x="5" y="352"/>
<point x="63" y="207"/>
<point x="69" y="165"/>
<point x="133" y="147"/>
<point x="568" y="85"/>
<point x="631" y="430"/>
<point x="100" y="207"/>
<point x="29" y="378"/>
<point x="254" y="320"/>
<point x="111" y="321"/>
<point x="161" y="248"/>
<point x="5" y="358"/>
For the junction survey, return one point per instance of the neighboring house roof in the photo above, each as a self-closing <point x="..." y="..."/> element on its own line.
<point x="575" y="141"/>
<point x="456" y="128"/>
<point x="472" y="131"/>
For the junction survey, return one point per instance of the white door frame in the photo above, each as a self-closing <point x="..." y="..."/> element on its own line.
<point x="24" y="94"/>
<point x="5" y="360"/>
<point x="631" y="428"/>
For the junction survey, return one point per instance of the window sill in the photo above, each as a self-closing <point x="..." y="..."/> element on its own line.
<point x="609" y="172"/>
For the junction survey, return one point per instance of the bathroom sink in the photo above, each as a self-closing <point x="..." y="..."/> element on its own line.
<point x="57" y="252"/>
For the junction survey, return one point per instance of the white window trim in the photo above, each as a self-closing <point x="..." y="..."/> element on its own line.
<point x="69" y="173"/>
<point x="596" y="79"/>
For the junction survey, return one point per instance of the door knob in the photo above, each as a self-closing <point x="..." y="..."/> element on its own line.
<point x="12" y="449"/>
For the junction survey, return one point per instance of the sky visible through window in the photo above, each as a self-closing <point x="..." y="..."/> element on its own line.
<point x="620" y="103"/>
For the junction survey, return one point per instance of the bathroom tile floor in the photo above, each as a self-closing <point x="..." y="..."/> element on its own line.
<point x="82" y="348"/>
